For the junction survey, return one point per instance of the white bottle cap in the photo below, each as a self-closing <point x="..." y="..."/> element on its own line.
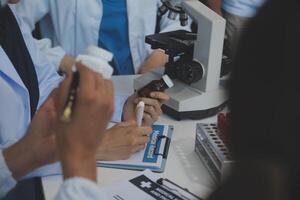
<point x="168" y="81"/>
<point x="96" y="64"/>
<point x="99" y="53"/>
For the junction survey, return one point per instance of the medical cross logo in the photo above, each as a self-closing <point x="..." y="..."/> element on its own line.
<point x="153" y="189"/>
<point x="145" y="185"/>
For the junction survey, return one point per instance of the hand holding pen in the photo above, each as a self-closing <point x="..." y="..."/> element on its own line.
<point x="71" y="99"/>
<point x="79" y="138"/>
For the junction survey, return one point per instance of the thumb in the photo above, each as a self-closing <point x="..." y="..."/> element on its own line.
<point x="47" y="111"/>
<point x="128" y="123"/>
<point x="50" y="103"/>
<point x="44" y="119"/>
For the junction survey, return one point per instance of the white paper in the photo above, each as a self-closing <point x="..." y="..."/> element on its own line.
<point x="145" y="187"/>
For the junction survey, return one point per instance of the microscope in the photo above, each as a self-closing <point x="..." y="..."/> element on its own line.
<point x="194" y="62"/>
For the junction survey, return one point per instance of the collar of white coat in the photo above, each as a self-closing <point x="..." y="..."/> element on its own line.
<point x="7" y="68"/>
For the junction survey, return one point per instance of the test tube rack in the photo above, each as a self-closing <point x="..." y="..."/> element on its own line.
<point x="212" y="148"/>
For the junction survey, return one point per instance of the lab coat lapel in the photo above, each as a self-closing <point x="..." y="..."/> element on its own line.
<point x="8" y="69"/>
<point x="132" y="12"/>
<point x="140" y="12"/>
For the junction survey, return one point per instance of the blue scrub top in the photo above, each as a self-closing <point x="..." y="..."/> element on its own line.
<point x="114" y="36"/>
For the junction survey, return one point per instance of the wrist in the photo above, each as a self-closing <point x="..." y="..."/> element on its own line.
<point x="101" y="152"/>
<point x="79" y="166"/>
<point x="157" y="59"/>
<point x="20" y="159"/>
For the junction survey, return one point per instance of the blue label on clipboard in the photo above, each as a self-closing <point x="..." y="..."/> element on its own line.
<point x="152" y="148"/>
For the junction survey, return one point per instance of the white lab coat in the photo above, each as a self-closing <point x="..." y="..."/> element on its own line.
<point x="71" y="189"/>
<point x="74" y="24"/>
<point x="15" y="103"/>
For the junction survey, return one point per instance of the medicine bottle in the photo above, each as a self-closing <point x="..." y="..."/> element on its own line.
<point x="97" y="59"/>
<point x="156" y="86"/>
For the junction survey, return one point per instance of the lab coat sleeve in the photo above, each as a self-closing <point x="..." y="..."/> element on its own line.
<point x="32" y="11"/>
<point x="80" y="188"/>
<point x="7" y="182"/>
<point x="120" y="101"/>
<point x="53" y="54"/>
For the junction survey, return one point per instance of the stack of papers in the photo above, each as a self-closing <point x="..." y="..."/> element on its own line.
<point x="147" y="186"/>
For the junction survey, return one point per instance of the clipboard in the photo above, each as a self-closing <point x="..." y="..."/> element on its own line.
<point x="153" y="156"/>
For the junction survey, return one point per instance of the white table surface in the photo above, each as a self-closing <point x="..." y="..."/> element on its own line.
<point x="183" y="166"/>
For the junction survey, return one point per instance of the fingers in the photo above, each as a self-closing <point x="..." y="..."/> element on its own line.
<point x="147" y="120"/>
<point x="99" y="81"/>
<point x="105" y="92"/>
<point x="139" y="135"/>
<point x="136" y="131"/>
<point x="63" y="92"/>
<point x="93" y="88"/>
<point x="87" y="83"/>
<point x="151" y="111"/>
<point x="109" y="93"/>
<point x="110" y="89"/>
<point x="140" y="139"/>
<point x="127" y="123"/>
<point x="160" y="96"/>
<point x="123" y="141"/>
<point x="137" y="142"/>
<point x="145" y="130"/>
<point x="50" y="103"/>
<point x="138" y="148"/>
<point x="152" y="102"/>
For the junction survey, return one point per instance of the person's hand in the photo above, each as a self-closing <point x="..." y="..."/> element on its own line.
<point x="152" y="107"/>
<point x="78" y="139"/>
<point x="161" y="97"/>
<point x="38" y="146"/>
<point x="66" y="63"/>
<point x="157" y="59"/>
<point x="41" y="133"/>
<point x="122" y="140"/>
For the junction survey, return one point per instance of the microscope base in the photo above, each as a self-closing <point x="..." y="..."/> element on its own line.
<point x="194" y="115"/>
<point x="185" y="101"/>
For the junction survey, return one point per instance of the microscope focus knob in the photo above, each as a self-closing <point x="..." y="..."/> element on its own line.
<point x="172" y="15"/>
<point x="184" y="19"/>
<point x="189" y="71"/>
